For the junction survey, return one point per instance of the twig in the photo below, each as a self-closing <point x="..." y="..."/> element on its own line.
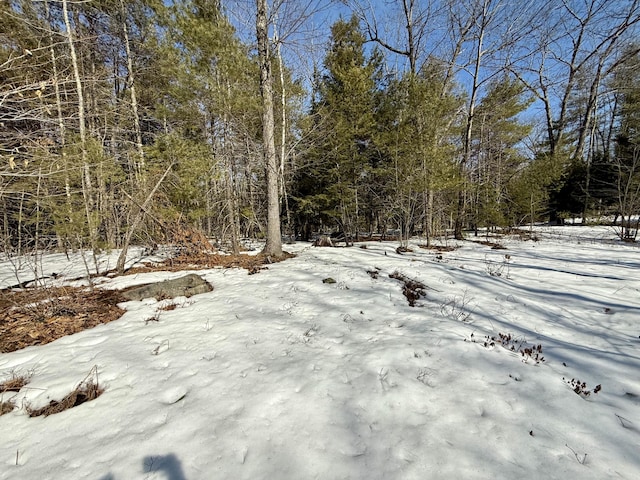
<point x="626" y="423"/>
<point x="582" y="460"/>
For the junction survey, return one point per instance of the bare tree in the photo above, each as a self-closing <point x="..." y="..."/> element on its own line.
<point x="405" y="31"/>
<point x="488" y="27"/>
<point x="572" y="40"/>
<point x="628" y="186"/>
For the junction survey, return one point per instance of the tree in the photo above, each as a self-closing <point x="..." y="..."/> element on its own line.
<point x="342" y="130"/>
<point x="273" y="246"/>
<point x="627" y="147"/>
<point x="574" y="48"/>
<point x="496" y="154"/>
<point x="415" y="108"/>
<point x="489" y="28"/>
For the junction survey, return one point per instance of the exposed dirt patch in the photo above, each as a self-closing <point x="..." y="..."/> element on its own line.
<point x="36" y="316"/>
<point x="42" y="315"/>
<point x="201" y="261"/>
<point x="439" y="248"/>
<point x="522" y="234"/>
<point x="6" y="407"/>
<point x="493" y="245"/>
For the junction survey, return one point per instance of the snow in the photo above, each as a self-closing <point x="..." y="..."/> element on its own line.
<point x="281" y="376"/>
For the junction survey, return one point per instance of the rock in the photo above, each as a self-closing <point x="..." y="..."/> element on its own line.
<point x="187" y="286"/>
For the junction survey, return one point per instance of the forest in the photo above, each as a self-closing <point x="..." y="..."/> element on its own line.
<point x="149" y="121"/>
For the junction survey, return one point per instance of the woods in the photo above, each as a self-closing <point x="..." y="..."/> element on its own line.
<point x="146" y="121"/>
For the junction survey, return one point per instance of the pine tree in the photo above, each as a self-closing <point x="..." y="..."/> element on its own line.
<point x="417" y="138"/>
<point x="496" y="138"/>
<point x="342" y="130"/>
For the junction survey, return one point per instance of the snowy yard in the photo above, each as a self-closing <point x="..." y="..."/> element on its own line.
<point x="280" y="375"/>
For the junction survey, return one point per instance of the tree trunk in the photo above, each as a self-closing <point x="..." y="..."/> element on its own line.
<point x="273" y="246"/>
<point x="134" y="97"/>
<point x="86" y="178"/>
<point x="137" y="219"/>
<point x="466" y="154"/>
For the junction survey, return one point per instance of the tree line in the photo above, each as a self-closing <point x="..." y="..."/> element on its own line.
<point x="148" y="121"/>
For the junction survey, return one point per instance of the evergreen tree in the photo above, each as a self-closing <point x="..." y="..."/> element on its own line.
<point x="417" y="138"/>
<point x="342" y="131"/>
<point x="496" y="138"/>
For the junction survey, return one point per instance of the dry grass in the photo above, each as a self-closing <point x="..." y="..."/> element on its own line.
<point x="36" y="316"/>
<point x="87" y="390"/>
<point x="169" y="307"/>
<point x="204" y="260"/>
<point x="14" y="383"/>
<point x="6" y="407"/>
<point x="439" y="248"/>
<point x="41" y="315"/>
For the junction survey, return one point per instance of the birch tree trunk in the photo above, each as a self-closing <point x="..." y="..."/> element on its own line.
<point x="62" y="243"/>
<point x="87" y="184"/>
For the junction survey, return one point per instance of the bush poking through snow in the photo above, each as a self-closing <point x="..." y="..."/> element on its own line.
<point x="498" y="269"/>
<point x="580" y="388"/>
<point x="580" y="458"/>
<point x="457" y="308"/>
<point x="374" y="273"/>
<point x="87" y="390"/>
<point x="508" y="341"/>
<point x="412" y="289"/>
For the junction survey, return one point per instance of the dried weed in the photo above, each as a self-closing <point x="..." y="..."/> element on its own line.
<point x="87" y="390"/>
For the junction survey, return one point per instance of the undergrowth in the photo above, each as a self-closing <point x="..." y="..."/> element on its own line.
<point x="87" y="390"/>
<point x="15" y="382"/>
<point x="412" y="289"/>
<point x="527" y="352"/>
<point x="580" y="388"/>
<point x="12" y="385"/>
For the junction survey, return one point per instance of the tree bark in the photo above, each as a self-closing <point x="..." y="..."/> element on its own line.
<point x="87" y="189"/>
<point x="273" y="246"/>
<point x="140" y="211"/>
<point x="466" y="154"/>
<point x="134" y="97"/>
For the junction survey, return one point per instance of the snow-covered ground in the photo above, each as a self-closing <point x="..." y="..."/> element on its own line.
<point x="281" y="376"/>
